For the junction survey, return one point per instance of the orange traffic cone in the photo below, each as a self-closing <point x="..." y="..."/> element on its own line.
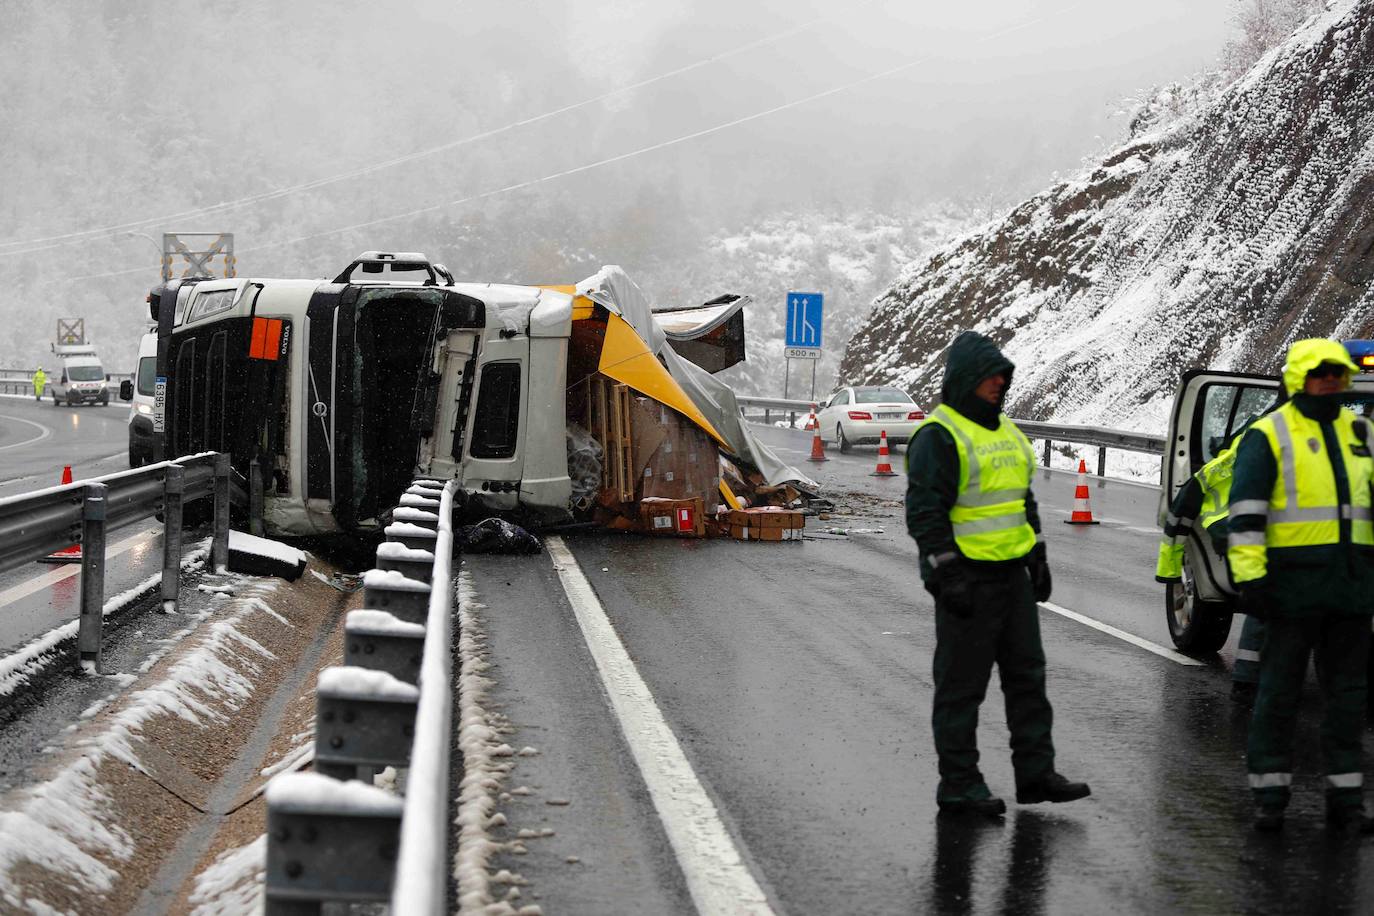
<point x="811" y="421"/>
<point x="70" y="554"/>
<point x="884" y="468"/>
<point x="1082" y="512"/>
<point x="817" y="447"/>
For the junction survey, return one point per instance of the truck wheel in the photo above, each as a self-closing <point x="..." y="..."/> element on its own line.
<point x="1197" y="627"/>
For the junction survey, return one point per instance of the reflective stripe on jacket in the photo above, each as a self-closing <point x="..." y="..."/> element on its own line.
<point x="995" y="466"/>
<point x="1305" y="509"/>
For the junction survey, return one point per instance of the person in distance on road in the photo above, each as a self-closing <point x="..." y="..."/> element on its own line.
<point x="1302" y="551"/>
<point x="40" y="379"/>
<point x="1203" y="501"/>
<point x="970" y="509"/>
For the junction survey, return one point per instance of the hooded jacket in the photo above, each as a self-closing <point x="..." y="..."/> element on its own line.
<point x="932" y="459"/>
<point x="1320" y="579"/>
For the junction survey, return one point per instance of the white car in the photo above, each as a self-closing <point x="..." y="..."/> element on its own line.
<point x="860" y="414"/>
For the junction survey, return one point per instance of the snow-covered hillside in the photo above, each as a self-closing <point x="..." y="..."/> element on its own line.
<point x="1215" y="241"/>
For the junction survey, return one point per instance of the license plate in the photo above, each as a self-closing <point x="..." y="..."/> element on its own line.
<point x="889" y="416"/>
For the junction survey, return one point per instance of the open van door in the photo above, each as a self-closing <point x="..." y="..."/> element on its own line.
<point x="1209" y="408"/>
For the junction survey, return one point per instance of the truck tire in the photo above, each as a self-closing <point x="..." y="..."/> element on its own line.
<point x="1197" y="627"/>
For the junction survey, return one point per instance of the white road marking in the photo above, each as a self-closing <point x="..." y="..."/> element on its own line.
<point x="1134" y="640"/>
<point x="44" y="432"/>
<point x="1140" y="529"/>
<point x="716" y="875"/>
<point x="38" y="583"/>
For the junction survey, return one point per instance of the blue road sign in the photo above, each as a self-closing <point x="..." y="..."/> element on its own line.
<point x="804" y="311"/>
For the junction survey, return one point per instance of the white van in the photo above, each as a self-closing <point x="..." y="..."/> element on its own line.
<point x="81" y="378"/>
<point x="139" y="390"/>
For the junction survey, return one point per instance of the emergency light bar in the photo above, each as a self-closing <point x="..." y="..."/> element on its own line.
<point x="1362" y="352"/>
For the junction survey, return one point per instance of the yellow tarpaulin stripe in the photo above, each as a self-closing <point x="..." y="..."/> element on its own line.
<point x="582" y="306"/>
<point x="625" y="357"/>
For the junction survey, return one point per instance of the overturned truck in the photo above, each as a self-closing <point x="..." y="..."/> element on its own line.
<point x="547" y="403"/>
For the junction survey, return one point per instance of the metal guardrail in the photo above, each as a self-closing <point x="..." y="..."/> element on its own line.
<point x="17" y="386"/>
<point x="1100" y="436"/>
<point x="35" y="525"/>
<point x="331" y="835"/>
<point x="20" y="381"/>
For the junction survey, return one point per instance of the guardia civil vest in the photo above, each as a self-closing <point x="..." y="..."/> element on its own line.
<point x="1304" y="509"/>
<point x="995" y="467"/>
<point x="1213" y="479"/>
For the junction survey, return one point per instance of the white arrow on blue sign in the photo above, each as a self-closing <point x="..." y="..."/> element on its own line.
<point x="804" y="313"/>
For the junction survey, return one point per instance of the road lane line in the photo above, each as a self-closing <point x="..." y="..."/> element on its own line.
<point x="38" y="583"/>
<point x="716" y="875"/>
<point x="1134" y="640"/>
<point x="45" y="432"/>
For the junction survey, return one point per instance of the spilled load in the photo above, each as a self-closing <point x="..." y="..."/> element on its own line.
<point x="548" y="403"/>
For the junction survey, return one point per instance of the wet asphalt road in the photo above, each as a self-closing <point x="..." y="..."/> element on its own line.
<point x="36" y="441"/>
<point x="796" y="678"/>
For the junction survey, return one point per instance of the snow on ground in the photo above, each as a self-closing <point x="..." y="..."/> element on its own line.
<point x="21" y="666"/>
<point x="234" y="883"/>
<point x="63" y="823"/>
<point x="486" y="764"/>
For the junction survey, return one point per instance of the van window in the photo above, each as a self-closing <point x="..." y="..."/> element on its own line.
<point x="86" y="373"/>
<point x="1226" y="409"/>
<point x="497" y="419"/>
<point x="147" y="376"/>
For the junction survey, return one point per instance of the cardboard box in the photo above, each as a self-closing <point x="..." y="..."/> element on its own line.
<point x="676" y="459"/>
<point x="776" y="534"/>
<point x="681" y="518"/>
<point x="768" y="517"/>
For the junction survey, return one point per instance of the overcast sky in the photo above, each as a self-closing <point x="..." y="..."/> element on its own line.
<point x="998" y="93"/>
<point x="166" y="105"/>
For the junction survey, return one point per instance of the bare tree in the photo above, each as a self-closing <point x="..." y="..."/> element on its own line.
<point x="1262" y="25"/>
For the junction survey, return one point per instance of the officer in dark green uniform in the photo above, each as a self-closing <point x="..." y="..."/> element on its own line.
<point x="1302" y="552"/>
<point x="969" y="507"/>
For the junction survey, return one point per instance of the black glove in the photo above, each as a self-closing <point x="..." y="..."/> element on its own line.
<point x="1257" y="598"/>
<point x="1039" y="567"/>
<point x="953" y="588"/>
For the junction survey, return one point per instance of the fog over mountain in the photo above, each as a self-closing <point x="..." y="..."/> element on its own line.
<point x="535" y="141"/>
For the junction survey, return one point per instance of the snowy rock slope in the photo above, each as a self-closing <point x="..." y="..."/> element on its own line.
<point x="1214" y="242"/>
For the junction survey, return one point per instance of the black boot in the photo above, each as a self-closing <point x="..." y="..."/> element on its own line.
<point x="1269" y="818"/>
<point x="1348" y="819"/>
<point x="1053" y="788"/>
<point x="985" y="807"/>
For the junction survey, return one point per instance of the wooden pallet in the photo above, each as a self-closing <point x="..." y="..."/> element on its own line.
<point x="608" y="415"/>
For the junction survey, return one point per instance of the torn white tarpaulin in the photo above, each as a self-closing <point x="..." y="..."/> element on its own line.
<point x="611" y="287"/>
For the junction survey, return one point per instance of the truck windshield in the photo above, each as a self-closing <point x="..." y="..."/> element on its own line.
<point x="85" y="373"/>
